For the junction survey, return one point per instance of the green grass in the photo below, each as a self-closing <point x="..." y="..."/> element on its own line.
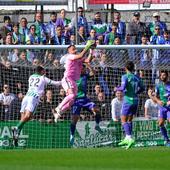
<point x="156" y="158"/>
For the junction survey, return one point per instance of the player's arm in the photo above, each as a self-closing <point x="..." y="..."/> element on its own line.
<point x="52" y="82"/>
<point x="155" y="96"/>
<point x="90" y="57"/>
<point x="91" y="70"/>
<point x="123" y="84"/>
<point x="89" y="44"/>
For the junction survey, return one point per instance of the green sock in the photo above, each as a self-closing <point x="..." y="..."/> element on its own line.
<point x="20" y="126"/>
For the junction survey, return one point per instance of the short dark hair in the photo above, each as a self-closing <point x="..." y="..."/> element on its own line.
<point x="53" y="13"/>
<point x="70" y="46"/>
<point x="130" y="66"/>
<point x="80" y="7"/>
<point x="7" y="18"/>
<point x="164" y="71"/>
<point x="39" y="69"/>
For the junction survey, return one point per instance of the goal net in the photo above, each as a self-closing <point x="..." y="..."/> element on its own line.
<point x="18" y="63"/>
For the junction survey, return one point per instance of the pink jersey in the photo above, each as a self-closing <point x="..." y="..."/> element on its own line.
<point x="73" y="67"/>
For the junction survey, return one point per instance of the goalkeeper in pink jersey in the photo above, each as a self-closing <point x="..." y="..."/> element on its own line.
<point x="73" y="67"/>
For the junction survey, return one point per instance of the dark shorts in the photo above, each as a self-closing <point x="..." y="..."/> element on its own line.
<point x="129" y="109"/>
<point x="82" y="103"/>
<point x="164" y="112"/>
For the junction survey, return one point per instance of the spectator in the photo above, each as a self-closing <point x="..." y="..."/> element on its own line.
<point x="16" y="36"/>
<point x="136" y="29"/>
<point x="6" y="99"/>
<point x="41" y="30"/>
<point x="36" y="62"/>
<point x="151" y="107"/>
<point x="23" y="59"/>
<point x="92" y="35"/>
<point x="13" y="56"/>
<point x="61" y="95"/>
<point x="72" y="39"/>
<point x="165" y="39"/>
<point x="59" y="38"/>
<point x="116" y="106"/>
<point x="51" y="26"/>
<point x="32" y="38"/>
<point x="56" y="64"/>
<point x="97" y="24"/>
<point x="110" y="37"/>
<point x="81" y="36"/>
<point x="62" y="21"/>
<point x="81" y="21"/>
<point x="145" y="54"/>
<point x="16" y="106"/>
<point x="49" y="59"/>
<point x="97" y="90"/>
<point x="155" y="39"/>
<point x="6" y="29"/>
<point x="156" y="22"/>
<point x="121" y="26"/>
<point x="8" y="39"/>
<point x="47" y="108"/>
<point x="23" y="29"/>
<point x="102" y="104"/>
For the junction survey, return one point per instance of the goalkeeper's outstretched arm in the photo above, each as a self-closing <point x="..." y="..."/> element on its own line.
<point x="89" y="44"/>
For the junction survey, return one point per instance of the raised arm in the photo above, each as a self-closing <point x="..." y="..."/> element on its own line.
<point x="89" y="44"/>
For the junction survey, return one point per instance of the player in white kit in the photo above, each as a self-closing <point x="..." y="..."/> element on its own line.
<point x="37" y="83"/>
<point x="73" y="67"/>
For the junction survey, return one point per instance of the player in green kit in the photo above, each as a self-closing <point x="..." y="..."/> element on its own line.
<point x="131" y="85"/>
<point x="162" y="97"/>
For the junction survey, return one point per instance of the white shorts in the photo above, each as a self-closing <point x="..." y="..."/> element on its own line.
<point x="29" y="103"/>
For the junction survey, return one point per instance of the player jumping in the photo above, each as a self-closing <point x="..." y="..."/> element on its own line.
<point x="82" y="101"/>
<point x="72" y="73"/>
<point x="37" y="83"/>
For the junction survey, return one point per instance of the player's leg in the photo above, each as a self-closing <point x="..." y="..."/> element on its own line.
<point x="27" y="108"/>
<point x="71" y="89"/>
<point x="161" y="122"/>
<point x="133" y="110"/>
<point x="74" y="121"/>
<point x="124" y="120"/>
<point x="75" y="111"/>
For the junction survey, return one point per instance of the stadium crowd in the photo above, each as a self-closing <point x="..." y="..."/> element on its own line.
<point x="16" y="65"/>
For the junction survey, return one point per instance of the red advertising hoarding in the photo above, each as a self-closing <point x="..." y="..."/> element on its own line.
<point x="128" y="1"/>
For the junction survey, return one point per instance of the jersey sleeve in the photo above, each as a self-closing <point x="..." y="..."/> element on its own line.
<point x="123" y="84"/>
<point x="157" y="90"/>
<point x="51" y="82"/>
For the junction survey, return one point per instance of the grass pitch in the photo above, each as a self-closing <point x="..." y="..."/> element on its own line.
<point x="155" y="158"/>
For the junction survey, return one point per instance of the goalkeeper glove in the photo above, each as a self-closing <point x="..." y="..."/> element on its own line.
<point x="90" y="44"/>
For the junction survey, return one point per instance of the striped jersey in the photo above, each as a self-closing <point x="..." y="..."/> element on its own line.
<point x="37" y="85"/>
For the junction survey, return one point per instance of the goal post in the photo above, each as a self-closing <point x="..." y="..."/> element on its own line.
<point x="17" y="63"/>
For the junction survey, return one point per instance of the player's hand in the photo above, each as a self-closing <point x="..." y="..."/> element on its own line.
<point x="160" y="102"/>
<point x="91" y="44"/>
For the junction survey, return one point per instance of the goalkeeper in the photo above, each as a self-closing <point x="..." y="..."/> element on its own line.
<point x="73" y="66"/>
<point x="82" y="101"/>
<point x="37" y="83"/>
